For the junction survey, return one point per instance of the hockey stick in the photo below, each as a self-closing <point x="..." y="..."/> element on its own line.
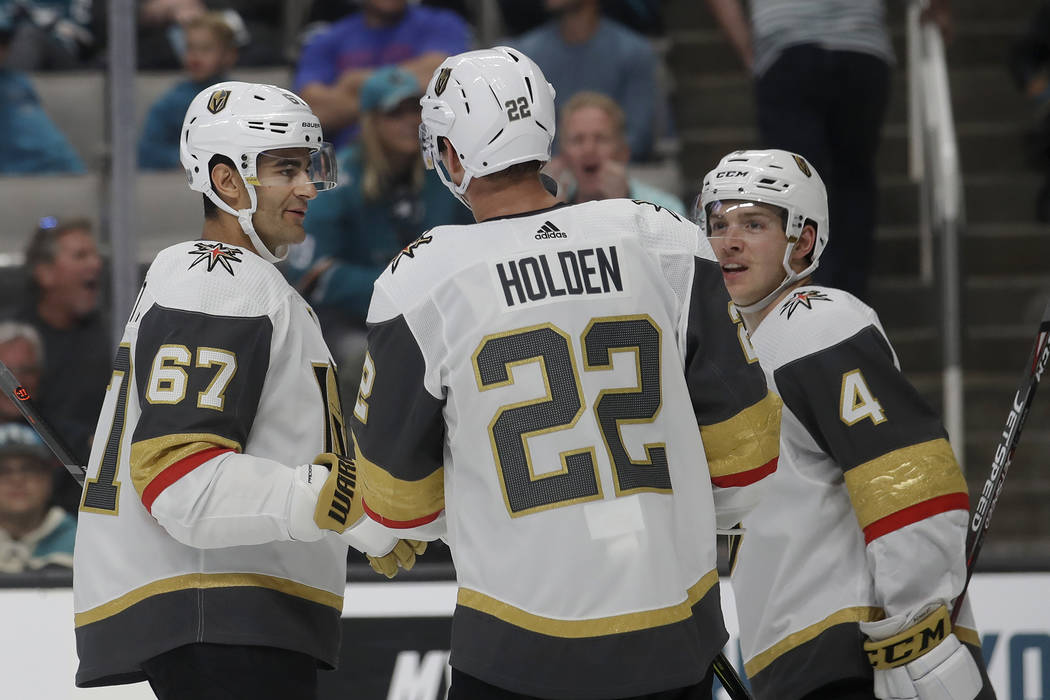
<point x="729" y="679"/>
<point x="18" y="394"/>
<point x="1004" y="452"/>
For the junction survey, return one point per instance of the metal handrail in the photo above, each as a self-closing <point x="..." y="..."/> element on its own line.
<point x="934" y="164"/>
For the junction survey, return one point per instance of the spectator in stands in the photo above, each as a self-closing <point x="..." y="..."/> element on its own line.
<point x="385" y="202"/>
<point x="22" y="350"/>
<point x="1030" y="67"/>
<point x="593" y="155"/>
<point x="335" y="63"/>
<point x="580" y="50"/>
<point x="644" y="16"/>
<point x="64" y="274"/>
<point x="48" y="34"/>
<point x="33" y="534"/>
<point x="822" y="83"/>
<point x="210" y="53"/>
<point x="32" y="144"/>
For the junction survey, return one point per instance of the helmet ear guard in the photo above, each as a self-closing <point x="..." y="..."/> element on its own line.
<point x="778" y="178"/>
<point x="243" y="121"/>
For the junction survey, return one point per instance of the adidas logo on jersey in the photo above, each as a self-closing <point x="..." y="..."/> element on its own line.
<point x="549" y="230"/>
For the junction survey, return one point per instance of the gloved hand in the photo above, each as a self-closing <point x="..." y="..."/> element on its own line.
<point x="337" y="508"/>
<point x="403" y="555"/>
<point x="323" y="498"/>
<point x="913" y="665"/>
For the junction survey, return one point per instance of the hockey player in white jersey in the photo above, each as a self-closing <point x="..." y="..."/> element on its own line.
<point x="208" y="559"/>
<point x="849" y="566"/>
<point x="535" y="392"/>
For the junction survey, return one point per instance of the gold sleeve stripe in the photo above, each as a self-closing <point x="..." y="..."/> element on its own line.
<point x="150" y="458"/>
<point x="203" y="581"/>
<point x="596" y="627"/>
<point x="398" y="502"/>
<point x="968" y="636"/>
<point x="747" y="441"/>
<point x="858" y="614"/>
<point x="906" y="485"/>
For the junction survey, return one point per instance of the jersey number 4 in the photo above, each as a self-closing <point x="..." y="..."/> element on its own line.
<point x="577" y="480"/>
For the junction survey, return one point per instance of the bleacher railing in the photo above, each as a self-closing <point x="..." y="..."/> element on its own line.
<point x="934" y="164"/>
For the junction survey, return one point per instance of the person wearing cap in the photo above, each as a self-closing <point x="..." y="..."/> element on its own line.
<point x="33" y="534"/>
<point x="386" y="199"/>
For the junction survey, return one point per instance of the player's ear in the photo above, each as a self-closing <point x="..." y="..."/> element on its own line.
<point x="228" y="184"/>
<point x="806" y="240"/>
<point x="452" y="162"/>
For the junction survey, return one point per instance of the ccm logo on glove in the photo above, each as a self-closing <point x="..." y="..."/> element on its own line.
<point x="911" y="643"/>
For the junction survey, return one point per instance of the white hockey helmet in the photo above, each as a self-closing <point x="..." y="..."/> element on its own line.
<point x="242" y="121"/>
<point x="779" y="178"/>
<point x="494" y="106"/>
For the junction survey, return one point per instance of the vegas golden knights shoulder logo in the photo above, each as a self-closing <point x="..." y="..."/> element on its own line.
<point x="802" y="165"/>
<point x="217" y="101"/>
<point x="442" y="81"/>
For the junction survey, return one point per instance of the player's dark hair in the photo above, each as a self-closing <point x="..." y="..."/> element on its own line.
<point x="516" y="172"/>
<point x="210" y="210"/>
<point x="816" y="230"/>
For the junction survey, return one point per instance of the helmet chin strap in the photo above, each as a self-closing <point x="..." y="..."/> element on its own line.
<point x="790" y="278"/>
<point x="244" y="218"/>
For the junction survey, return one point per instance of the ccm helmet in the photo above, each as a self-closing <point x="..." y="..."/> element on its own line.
<point x="778" y="178"/>
<point x="242" y="121"/>
<point x="494" y="106"/>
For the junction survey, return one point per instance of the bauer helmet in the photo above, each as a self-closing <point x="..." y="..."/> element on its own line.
<point x="777" y="178"/>
<point x="242" y="121"/>
<point x="494" y="106"/>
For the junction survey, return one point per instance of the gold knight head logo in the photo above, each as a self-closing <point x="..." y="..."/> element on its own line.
<point x="802" y="165"/>
<point x="442" y="81"/>
<point x="217" y="101"/>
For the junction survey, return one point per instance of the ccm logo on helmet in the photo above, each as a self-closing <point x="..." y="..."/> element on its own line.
<point x="730" y="173"/>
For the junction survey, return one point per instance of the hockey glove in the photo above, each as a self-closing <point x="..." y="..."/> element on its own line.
<point x="337" y="509"/>
<point x="913" y="665"/>
<point x="403" y="555"/>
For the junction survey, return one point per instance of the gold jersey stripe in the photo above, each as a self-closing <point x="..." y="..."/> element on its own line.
<point x="748" y="440"/>
<point x="903" y="478"/>
<point x="597" y="627"/>
<point x="151" y="457"/>
<point x="857" y="614"/>
<point x="398" y="499"/>
<point x="199" y="581"/>
<point x="968" y="636"/>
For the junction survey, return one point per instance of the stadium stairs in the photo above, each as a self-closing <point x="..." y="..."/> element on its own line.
<point x="1006" y="254"/>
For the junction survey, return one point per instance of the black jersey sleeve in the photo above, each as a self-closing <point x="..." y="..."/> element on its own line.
<point x="399" y="431"/>
<point x="739" y="417"/>
<point x="891" y="446"/>
<point x="199" y="378"/>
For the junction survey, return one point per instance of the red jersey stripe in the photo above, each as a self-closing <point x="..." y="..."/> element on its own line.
<point x="747" y="477"/>
<point x="399" y="524"/>
<point x="915" y="513"/>
<point x="175" y="472"/>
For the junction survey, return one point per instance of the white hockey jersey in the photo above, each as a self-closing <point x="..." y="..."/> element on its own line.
<point x="865" y="518"/>
<point x="181" y="539"/>
<point x="544" y="376"/>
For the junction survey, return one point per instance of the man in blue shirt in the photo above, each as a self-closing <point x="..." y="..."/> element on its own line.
<point x="580" y="50"/>
<point x="336" y="63"/>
